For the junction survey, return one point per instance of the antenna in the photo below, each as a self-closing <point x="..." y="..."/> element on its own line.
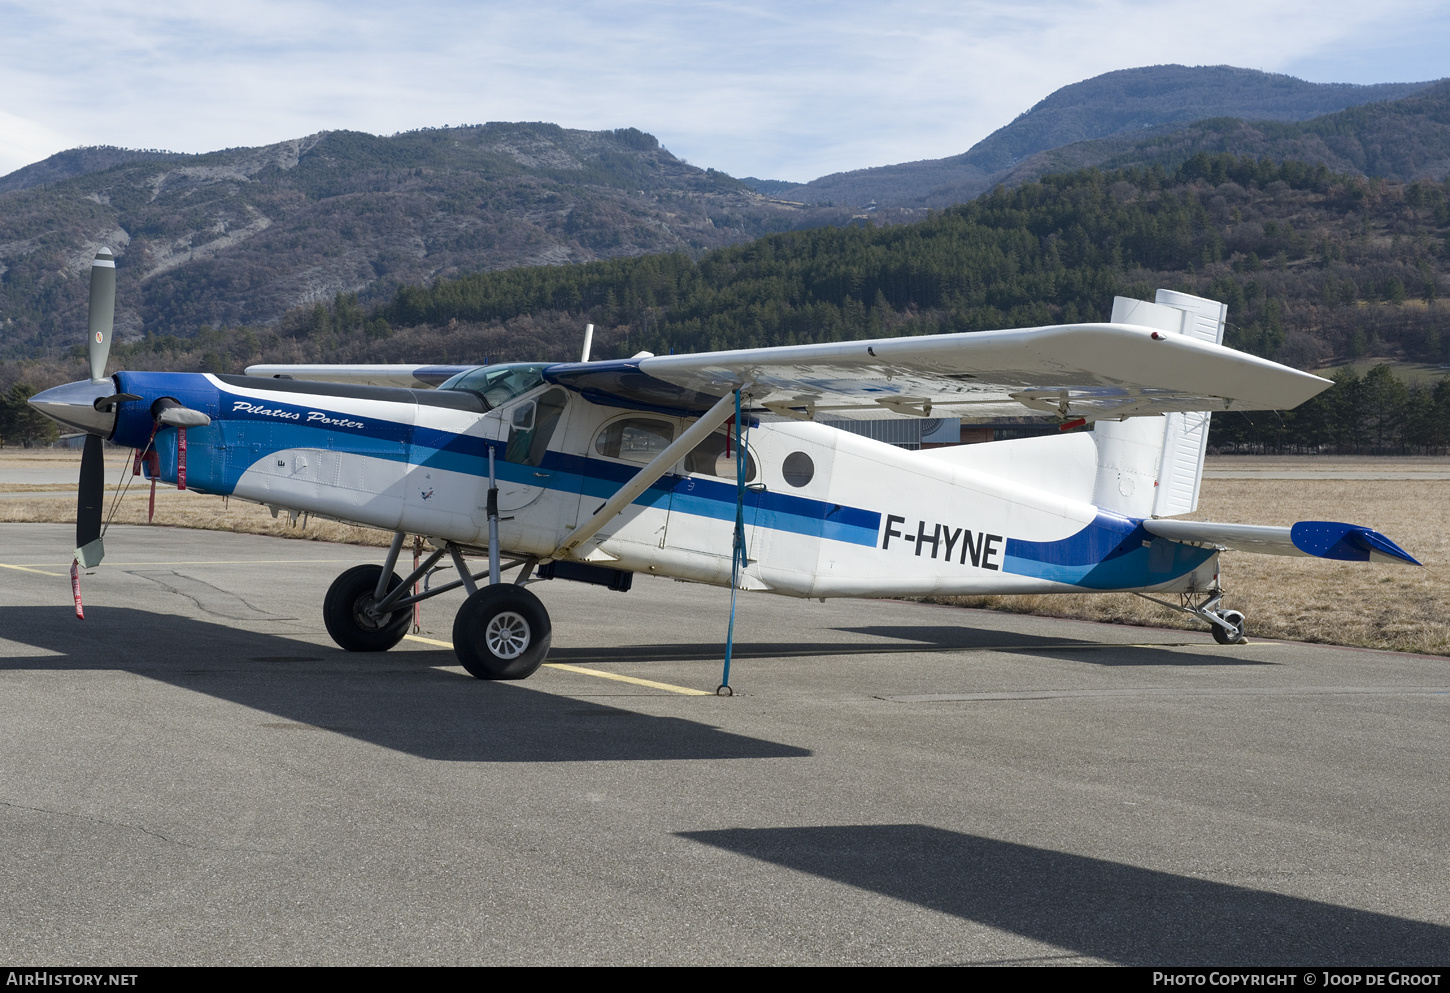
<point x="588" y="342"/>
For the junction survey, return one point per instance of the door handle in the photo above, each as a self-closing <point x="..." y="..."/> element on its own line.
<point x="543" y="475"/>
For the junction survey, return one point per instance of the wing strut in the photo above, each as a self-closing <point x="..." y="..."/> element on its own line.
<point x="739" y="557"/>
<point x="645" y="478"/>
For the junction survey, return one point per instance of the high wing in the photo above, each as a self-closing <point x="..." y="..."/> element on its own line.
<point x="1096" y="371"/>
<point x="407" y="376"/>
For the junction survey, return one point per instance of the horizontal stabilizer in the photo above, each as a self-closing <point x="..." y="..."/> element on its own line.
<point x="1321" y="539"/>
<point x="412" y="377"/>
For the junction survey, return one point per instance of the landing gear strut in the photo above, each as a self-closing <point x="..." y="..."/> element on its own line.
<point x="1227" y="625"/>
<point x="502" y="631"/>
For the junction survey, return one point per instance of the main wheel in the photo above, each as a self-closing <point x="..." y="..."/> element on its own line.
<point x="345" y="612"/>
<point x="502" y="632"/>
<point x="1224" y="637"/>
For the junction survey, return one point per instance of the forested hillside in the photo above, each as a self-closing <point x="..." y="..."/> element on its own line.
<point x="1314" y="266"/>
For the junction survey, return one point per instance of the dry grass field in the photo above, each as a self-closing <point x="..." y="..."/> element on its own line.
<point x="173" y="508"/>
<point x="1301" y="599"/>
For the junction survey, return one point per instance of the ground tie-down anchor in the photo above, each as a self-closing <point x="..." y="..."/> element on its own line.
<point x="738" y="559"/>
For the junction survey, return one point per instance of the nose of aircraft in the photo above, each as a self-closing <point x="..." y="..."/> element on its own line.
<point x="78" y="405"/>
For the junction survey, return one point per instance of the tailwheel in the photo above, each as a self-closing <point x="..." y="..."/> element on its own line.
<point x="502" y="632"/>
<point x="1235" y="620"/>
<point x="345" y="610"/>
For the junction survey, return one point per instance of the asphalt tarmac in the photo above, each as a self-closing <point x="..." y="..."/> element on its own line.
<point x="195" y="774"/>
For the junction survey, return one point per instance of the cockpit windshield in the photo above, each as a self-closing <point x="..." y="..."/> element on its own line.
<point x="498" y="384"/>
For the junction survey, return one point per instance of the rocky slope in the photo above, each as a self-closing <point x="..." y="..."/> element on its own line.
<point x="242" y="236"/>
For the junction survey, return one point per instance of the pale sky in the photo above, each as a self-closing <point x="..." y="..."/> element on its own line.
<point x="786" y="90"/>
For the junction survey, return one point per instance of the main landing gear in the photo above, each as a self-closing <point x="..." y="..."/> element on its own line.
<point x="502" y="631"/>
<point x="1227" y="625"/>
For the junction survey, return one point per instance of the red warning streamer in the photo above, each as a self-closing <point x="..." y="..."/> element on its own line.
<point x="181" y="458"/>
<point x="75" y="587"/>
<point x="154" y="468"/>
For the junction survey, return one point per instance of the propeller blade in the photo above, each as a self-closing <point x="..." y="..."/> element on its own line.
<point x="88" y="504"/>
<point x="103" y="311"/>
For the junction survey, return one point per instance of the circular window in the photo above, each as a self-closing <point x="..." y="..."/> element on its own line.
<point x="798" y="469"/>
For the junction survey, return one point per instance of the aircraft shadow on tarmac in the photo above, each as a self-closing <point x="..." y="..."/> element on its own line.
<point x="908" y="639"/>
<point x="397" y="700"/>
<point x="947" y="637"/>
<point x="1105" y="910"/>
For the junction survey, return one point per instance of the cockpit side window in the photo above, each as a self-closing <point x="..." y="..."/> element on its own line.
<point x="532" y="425"/>
<point x="498" y="384"/>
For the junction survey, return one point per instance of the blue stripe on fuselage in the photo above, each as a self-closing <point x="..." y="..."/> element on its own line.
<point x="246" y="429"/>
<point x="1111" y="553"/>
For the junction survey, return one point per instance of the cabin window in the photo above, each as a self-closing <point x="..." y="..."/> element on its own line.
<point x="635" y="439"/>
<point x="798" y="469"/>
<point x="709" y="458"/>
<point x="532" y="424"/>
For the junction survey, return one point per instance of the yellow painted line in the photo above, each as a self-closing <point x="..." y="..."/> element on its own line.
<point x="652" y="684"/>
<point x="26" y="568"/>
<point x="108" y="562"/>
<point x="685" y="690"/>
<point x="238" y="562"/>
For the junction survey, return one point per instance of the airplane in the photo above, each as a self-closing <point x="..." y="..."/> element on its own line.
<point x="714" y="468"/>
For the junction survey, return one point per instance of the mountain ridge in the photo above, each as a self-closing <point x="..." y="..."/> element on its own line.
<point x="1114" y="103"/>
<point x="241" y="236"/>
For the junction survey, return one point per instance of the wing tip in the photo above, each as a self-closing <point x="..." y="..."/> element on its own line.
<point x="1347" y="542"/>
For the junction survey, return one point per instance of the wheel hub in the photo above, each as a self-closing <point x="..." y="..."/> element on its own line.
<point x="507" y="635"/>
<point x="367" y="615"/>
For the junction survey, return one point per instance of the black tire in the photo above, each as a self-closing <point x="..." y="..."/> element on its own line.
<point x="1225" y="638"/>
<point x="502" y="632"/>
<point x="342" y="609"/>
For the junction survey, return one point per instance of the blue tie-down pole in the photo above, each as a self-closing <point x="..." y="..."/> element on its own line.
<point x="739" y="557"/>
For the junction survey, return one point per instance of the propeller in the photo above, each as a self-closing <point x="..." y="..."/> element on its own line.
<point x="91" y="492"/>
<point x="90" y="406"/>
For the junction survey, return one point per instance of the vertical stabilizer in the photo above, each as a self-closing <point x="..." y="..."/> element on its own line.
<point x="1186" y="437"/>
<point x="1152" y="466"/>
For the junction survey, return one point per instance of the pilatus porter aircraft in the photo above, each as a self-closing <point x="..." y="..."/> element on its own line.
<point x="712" y="468"/>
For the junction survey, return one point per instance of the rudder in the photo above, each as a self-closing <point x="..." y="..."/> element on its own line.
<point x="1151" y="466"/>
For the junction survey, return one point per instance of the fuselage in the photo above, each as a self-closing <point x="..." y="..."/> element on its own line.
<point x="827" y="513"/>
